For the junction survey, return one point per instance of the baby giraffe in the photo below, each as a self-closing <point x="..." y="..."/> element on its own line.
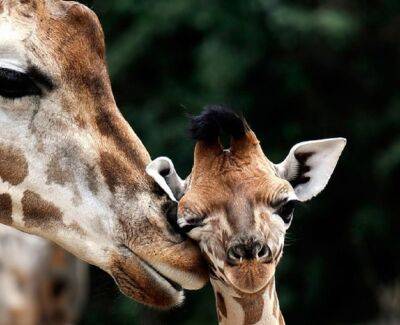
<point x="238" y="206"/>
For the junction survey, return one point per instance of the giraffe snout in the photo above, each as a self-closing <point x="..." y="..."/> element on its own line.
<point x="248" y="249"/>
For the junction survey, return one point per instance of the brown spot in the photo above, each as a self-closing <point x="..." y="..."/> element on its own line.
<point x="61" y="170"/>
<point x="39" y="212"/>
<point x="221" y="304"/>
<point x="253" y="306"/>
<point x="5" y="209"/>
<point x="114" y="127"/>
<point x="78" y="43"/>
<point x="13" y="165"/>
<point x="75" y="227"/>
<point x="85" y="21"/>
<point x="118" y="173"/>
<point x="92" y="179"/>
<point x="57" y="174"/>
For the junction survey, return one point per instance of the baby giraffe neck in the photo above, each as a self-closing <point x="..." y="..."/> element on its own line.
<point x="236" y="308"/>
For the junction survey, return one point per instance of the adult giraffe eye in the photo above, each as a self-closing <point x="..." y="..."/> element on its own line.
<point x="286" y="211"/>
<point x="15" y="84"/>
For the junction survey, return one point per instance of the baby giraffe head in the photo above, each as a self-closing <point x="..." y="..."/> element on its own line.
<point x="236" y="203"/>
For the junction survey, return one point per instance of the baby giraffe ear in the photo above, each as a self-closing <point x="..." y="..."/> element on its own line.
<point x="162" y="170"/>
<point x="309" y="165"/>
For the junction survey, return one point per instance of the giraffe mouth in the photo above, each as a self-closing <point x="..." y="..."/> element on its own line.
<point x="250" y="277"/>
<point x="172" y="283"/>
<point x="140" y="281"/>
<point x="176" y="286"/>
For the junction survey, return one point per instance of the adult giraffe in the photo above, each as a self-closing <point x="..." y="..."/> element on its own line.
<point x="238" y="206"/>
<point x="71" y="168"/>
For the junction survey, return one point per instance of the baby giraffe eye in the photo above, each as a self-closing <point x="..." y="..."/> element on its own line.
<point x="190" y="221"/>
<point x="286" y="211"/>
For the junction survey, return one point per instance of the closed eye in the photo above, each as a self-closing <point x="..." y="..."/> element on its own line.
<point x="15" y="84"/>
<point x="189" y="223"/>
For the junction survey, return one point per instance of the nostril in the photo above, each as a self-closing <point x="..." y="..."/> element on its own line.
<point x="235" y="254"/>
<point x="264" y="252"/>
<point x="254" y="251"/>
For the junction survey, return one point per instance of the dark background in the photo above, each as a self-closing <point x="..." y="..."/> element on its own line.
<point x="299" y="70"/>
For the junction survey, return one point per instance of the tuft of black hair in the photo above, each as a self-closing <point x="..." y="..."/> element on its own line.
<point x="214" y="121"/>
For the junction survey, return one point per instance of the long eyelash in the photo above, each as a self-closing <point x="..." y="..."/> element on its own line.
<point x="287" y="215"/>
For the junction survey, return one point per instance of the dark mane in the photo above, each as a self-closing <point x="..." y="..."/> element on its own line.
<point x="216" y="120"/>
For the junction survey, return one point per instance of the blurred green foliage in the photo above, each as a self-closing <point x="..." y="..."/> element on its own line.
<point x="299" y="70"/>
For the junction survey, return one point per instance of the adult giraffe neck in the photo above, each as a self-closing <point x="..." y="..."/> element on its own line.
<point x="236" y="308"/>
<point x="71" y="168"/>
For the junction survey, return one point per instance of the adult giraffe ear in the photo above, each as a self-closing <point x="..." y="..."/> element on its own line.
<point x="162" y="170"/>
<point x="309" y="165"/>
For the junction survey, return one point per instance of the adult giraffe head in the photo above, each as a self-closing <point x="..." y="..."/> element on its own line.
<point x="71" y="168"/>
<point x="238" y="205"/>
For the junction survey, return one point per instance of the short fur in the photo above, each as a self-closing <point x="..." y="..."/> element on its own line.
<point x="238" y="205"/>
<point x="71" y="168"/>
